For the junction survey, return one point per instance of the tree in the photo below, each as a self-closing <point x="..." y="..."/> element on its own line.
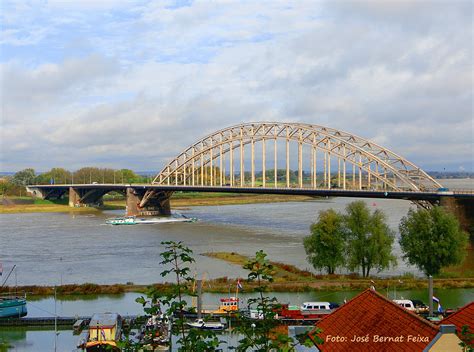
<point x="369" y="239"/>
<point x="432" y="239"/>
<point x="325" y="246"/>
<point x="57" y="175"/>
<point x="24" y="177"/>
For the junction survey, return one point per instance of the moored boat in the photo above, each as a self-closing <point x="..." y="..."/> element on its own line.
<point x="105" y="330"/>
<point x="12" y="307"/>
<point x="155" y="334"/>
<point x="206" y="325"/>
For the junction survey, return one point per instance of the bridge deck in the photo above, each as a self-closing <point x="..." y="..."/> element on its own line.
<point x="429" y="195"/>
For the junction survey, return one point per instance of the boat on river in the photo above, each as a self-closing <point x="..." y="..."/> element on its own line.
<point x="206" y="325"/>
<point x="133" y="220"/>
<point x="12" y="307"/>
<point x="105" y="330"/>
<point x="155" y="334"/>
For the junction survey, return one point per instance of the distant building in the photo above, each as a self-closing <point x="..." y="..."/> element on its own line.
<point x="371" y="322"/>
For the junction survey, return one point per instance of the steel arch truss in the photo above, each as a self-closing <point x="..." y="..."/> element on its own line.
<point x="337" y="160"/>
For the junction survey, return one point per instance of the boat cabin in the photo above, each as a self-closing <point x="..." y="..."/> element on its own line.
<point x="105" y="329"/>
<point x="405" y="303"/>
<point x="230" y="304"/>
<point x="318" y="306"/>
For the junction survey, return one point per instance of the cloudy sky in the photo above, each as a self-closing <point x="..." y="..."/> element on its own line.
<point x="129" y="84"/>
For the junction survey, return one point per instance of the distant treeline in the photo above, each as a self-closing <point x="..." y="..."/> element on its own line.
<point x="14" y="185"/>
<point x="451" y="174"/>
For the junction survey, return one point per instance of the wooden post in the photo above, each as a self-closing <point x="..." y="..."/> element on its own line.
<point x="199" y="298"/>
<point x="430" y="295"/>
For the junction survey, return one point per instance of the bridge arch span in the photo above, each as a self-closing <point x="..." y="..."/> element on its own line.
<point x="337" y="159"/>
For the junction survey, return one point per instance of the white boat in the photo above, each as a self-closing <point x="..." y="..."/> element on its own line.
<point x="133" y="220"/>
<point x="206" y="325"/>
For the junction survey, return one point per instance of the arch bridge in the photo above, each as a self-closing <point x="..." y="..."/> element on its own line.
<point x="264" y="154"/>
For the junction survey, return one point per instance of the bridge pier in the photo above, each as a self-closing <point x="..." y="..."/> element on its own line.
<point x="158" y="203"/>
<point x="463" y="209"/>
<point x="83" y="197"/>
<point x="74" y="197"/>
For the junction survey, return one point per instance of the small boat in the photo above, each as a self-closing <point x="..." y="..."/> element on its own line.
<point x="123" y="220"/>
<point x="206" y="325"/>
<point x="133" y="220"/>
<point x="155" y="334"/>
<point x="12" y="307"/>
<point x="105" y="329"/>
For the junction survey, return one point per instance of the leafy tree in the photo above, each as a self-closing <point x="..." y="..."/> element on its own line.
<point x="5" y="186"/>
<point x="24" y="177"/>
<point x="467" y="339"/>
<point x="326" y="244"/>
<point x="432" y="239"/>
<point x="369" y="239"/>
<point x="57" y="175"/>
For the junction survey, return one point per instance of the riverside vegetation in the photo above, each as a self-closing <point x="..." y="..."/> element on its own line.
<point x="255" y="335"/>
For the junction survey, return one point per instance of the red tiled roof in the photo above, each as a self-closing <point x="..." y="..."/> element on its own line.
<point x="371" y="322"/>
<point x="464" y="316"/>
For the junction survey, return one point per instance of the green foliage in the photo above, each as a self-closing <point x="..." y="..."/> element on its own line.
<point x="57" y="175"/>
<point x="326" y="244"/>
<point x="24" y="177"/>
<point x="467" y="339"/>
<point x="369" y="239"/>
<point x="4" y="346"/>
<point x="5" y="186"/>
<point x="432" y="239"/>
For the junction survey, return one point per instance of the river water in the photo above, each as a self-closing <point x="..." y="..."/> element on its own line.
<point x="62" y="248"/>
<point x="55" y="248"/>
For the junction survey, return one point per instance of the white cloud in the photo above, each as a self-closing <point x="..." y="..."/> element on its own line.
<point x="147" y="79"/>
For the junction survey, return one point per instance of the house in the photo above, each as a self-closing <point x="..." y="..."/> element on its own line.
<point x="463" y="317"/>
<point x="371" y="322"/>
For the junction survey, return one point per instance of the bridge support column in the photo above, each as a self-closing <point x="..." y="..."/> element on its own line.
<point x="463" y="209"/>
<point x="74" y="197"/>
<point x="158" y="203"/>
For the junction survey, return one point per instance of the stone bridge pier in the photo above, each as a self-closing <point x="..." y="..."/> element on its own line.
<point x="86" y="197"/>
<point x="463" y="209"/>
<point x="145" y="202"/>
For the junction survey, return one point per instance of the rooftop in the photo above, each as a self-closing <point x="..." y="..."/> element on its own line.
<point x="371" y="322"/>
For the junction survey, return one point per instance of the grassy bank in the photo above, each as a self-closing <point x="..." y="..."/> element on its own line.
<point x="179" y="200"/>
<point x="288" y="278"/>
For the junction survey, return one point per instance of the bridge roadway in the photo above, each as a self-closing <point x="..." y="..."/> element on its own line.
<point x="429" y="195"/>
